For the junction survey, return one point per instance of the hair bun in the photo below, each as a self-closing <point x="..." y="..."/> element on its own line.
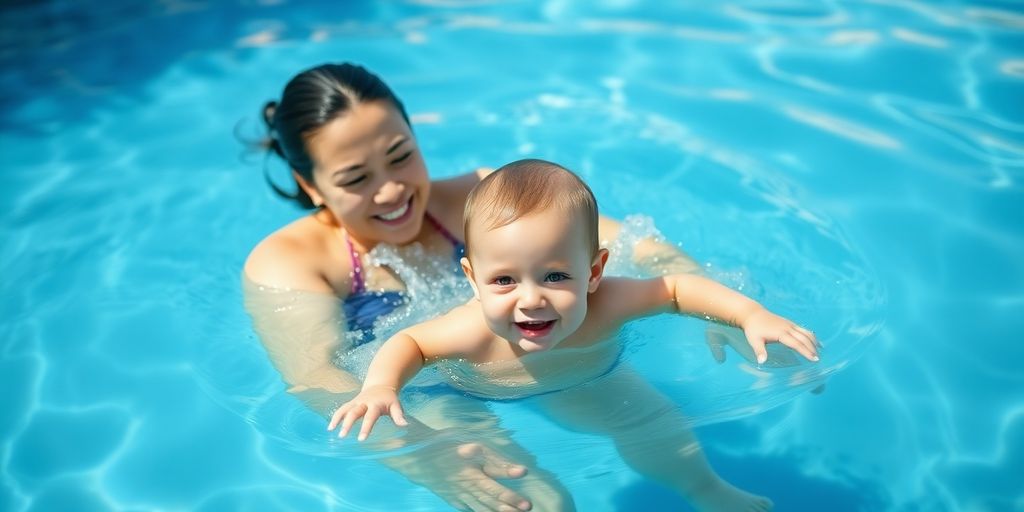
<point x="269" y="109"/>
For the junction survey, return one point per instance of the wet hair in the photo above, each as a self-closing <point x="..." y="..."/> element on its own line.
<point x="528" y="186"/>
<point x="310" y="100"/>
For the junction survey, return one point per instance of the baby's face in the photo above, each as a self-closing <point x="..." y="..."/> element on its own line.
<point x="532" y="278"/>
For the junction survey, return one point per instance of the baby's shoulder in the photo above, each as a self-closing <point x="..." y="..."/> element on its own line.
<point x="460" y="332"/>
<point x="610" y="287"/>
<point x="618" y="299"/>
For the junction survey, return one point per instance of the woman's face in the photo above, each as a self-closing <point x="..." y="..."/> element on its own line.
<point x="369" y="173"/>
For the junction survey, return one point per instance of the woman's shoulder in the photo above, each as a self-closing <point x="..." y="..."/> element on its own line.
<point x="457" y="188"/>
<point x="298" y="256"/>
<point x="448" y="197"/>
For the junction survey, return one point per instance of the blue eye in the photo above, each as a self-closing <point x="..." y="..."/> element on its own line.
<point x="555" y="277"/>
<point x="504" y="281"/>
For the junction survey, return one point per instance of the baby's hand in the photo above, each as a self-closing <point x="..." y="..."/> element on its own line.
<point x="763" y="327"/>
<point x="371" y="402"/>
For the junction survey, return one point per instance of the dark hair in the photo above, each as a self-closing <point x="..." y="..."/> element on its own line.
<point x="527" y="186"/>
<point x="310" y="100"/>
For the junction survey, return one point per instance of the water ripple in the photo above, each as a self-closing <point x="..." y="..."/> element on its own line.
<point x="842" y="127"/>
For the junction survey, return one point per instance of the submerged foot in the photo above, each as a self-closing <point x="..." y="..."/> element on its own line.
<point x="726" y="497"/>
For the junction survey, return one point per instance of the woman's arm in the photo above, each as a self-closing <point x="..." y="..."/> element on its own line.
<point x="655" y="256"/>
<point x="295" y="310"/>
<point x="301" y="332"/>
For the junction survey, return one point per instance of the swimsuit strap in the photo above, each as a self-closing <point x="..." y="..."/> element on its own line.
<point x="441" y="229"/>
<point x="358" y="284"/>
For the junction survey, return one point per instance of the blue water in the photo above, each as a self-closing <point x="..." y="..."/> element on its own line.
<point x="856" y="165"/>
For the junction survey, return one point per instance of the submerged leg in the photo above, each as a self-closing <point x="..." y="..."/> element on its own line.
<point x="463" y="455"/>
<point x="651" y="434"/>
<point x="483" y="440"/>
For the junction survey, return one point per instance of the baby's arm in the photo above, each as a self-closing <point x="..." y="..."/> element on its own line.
<point x="698" y="295"/>
<point x="397" y="361"/>
<point x="454" y="334"/>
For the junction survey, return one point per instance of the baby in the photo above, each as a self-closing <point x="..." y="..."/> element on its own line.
<point x="533" y="260"/>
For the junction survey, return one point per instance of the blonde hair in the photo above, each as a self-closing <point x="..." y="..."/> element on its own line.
<point x="528" y="186"/>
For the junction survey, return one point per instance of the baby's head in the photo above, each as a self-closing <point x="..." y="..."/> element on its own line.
<point x="532" y="251"/>
<point x="530" y="186"/>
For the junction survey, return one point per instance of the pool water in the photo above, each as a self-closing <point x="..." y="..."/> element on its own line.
<point x="854" y="165"/>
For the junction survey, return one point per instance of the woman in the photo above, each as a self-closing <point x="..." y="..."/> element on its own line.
<point x="353" y="155"/>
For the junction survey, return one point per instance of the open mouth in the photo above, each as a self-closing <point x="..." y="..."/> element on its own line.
<point x="535" y="328"/>
<point x="398" y="215"/>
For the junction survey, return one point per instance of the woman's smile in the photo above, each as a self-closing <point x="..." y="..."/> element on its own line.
<point x="397" y="216"/>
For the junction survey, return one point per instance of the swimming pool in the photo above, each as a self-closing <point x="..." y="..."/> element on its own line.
<point x="790" y="145"/>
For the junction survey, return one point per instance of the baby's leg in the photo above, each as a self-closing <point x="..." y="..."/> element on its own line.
<point x="651" y="435"/>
